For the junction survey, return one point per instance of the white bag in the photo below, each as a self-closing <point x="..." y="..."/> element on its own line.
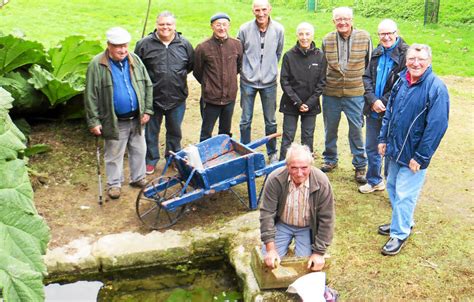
<point x="193" y="157"/>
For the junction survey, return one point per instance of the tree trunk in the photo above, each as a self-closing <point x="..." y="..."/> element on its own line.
<point x="431" y="11"/>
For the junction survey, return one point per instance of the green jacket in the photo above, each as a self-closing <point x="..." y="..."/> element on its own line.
<point x="98" y="96"/>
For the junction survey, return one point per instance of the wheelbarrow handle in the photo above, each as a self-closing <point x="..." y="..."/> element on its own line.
<point x="257" y="143"/>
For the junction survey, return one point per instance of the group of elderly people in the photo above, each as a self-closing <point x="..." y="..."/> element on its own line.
<point x="405" y="104"/>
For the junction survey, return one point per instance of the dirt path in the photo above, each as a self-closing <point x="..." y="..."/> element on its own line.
<point x="67" y="197"/>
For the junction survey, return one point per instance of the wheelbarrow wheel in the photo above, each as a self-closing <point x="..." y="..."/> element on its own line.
<point x="149" y="202"/>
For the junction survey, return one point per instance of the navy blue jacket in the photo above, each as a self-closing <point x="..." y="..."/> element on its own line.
<point x="369" y="78"/>
<point x="416" y="119"/>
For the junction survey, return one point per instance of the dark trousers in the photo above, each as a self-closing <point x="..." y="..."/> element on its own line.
<point x="173" y="119"/>
<point x="290" y="123"/>
<point x="210" y="113"/>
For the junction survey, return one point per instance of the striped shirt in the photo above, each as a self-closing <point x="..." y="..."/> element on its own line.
<point x="296" y="211"/>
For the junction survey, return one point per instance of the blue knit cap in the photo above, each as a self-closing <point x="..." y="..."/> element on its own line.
<point x="220" y="16"/>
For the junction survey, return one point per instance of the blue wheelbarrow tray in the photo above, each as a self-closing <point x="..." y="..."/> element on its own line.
<point x="226" y="163"/>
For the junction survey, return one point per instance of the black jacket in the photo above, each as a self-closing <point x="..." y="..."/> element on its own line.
<point x="168" y="67"/>
<point x="398" y="56"/>
<point x="302" y="78"/>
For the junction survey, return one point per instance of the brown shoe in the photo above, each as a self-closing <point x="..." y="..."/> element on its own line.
<point x="360" y="176"/>
<point x="328" y="167"/>
<point x="138" y="184"/>
<point x="114" y="192"/>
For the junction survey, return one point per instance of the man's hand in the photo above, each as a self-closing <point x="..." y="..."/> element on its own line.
<point x="378" y="106"/>
<point x="97" y="130"/>
<point x="414" y="165"/>
<point x="145" y="118"/>
<point x="304" y="108"/>
<point x="316" y="262"/>
<point x="271" y="258"/>
<point x="382" y="148"/>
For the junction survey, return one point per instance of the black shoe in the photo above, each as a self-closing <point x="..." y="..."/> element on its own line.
<point x="360" y="176"/>
<point x="393" y="246"/>
<point x="138" y="184"/>
<point x="328" y="167"/>
<point x="384" y="229"/>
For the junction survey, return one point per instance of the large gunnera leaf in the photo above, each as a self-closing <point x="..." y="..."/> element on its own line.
<point x="18" y="281"/>
<point x="12" y="141"/>
<point x="58" y="91"/>
<point x="72" y="55"/>
<point x="24" y="234"/>
<point x="16" y="52"/>
<point x="28" y="100"/>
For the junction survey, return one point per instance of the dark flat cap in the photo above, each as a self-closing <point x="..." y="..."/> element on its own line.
<point x="220" y="16"/>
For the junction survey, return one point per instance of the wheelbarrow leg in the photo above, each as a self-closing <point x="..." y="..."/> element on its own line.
<point x="251" y="187"/>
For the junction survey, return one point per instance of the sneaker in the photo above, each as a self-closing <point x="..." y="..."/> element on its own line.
<point x="138" y="184"/>
<point x="368" y="188"/>
<point x="273" y="158"/>
<point x="328" y="167"/>
<point x="150" y="169"/>
<point x="114" y="192"/>
<point x="360" y="176"/>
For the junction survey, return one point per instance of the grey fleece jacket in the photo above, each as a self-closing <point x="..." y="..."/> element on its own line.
<point x="257" y="71"/>
<point x="322" y="207"/>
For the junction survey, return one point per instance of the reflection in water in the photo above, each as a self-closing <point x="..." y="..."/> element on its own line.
<point x="80" y="291"/>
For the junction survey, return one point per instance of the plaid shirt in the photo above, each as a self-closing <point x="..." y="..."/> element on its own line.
<point x="296" y="211"/>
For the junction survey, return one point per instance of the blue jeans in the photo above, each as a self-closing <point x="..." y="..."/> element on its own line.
<point x="247" y="101"/>
<point x="352" y="108"/>
<point x="210" y="114"/>
<point x="173" y="119"/>
<point x="403" y="188"/>
<point x="374" y="170"/>
<point x="283" y="236"/>
<point x="290" y="123"/>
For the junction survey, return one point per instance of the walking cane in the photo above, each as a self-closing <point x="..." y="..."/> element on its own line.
<point x="98" y="169"/>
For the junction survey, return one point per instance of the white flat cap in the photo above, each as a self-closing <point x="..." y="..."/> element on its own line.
<point x="118" y="35"/>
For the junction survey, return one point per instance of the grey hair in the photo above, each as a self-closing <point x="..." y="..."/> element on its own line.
<point x="298" y="151"/>
<point x="305" y="25"/>
<point x="343" y="10"/>
<point x="166" y="14"/>
<point x="419" y="47"/>
<point x="388" y="23"/>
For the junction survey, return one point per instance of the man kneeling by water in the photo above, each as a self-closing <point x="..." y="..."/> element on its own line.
<point x="297" y="203"/>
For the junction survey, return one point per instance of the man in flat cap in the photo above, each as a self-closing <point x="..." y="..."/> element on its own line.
<point x="118" y="101"/>
<point x="217" y="62"/>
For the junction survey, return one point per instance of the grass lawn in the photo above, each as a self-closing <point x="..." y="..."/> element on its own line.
<point x="51" y="20"/>
<point x="437" y="262"/>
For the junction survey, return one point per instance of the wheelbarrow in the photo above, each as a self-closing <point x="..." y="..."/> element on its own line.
<point x="225" y="163"/>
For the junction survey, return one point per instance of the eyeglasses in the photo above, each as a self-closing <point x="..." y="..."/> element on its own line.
<point x="340" y="20"/>
<point x="381" y="35"/>
<point x="420" y="60"/>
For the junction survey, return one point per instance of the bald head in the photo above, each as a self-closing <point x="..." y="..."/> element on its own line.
<point x="387" y="25"/>
<point x="261" y="3"/>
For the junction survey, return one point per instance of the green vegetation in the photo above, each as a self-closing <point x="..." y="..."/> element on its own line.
<point x="24" y="234"/>
<point x="58" y="73"/>
<point x="452" y="45"/>
<point x="437" y="262"/>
